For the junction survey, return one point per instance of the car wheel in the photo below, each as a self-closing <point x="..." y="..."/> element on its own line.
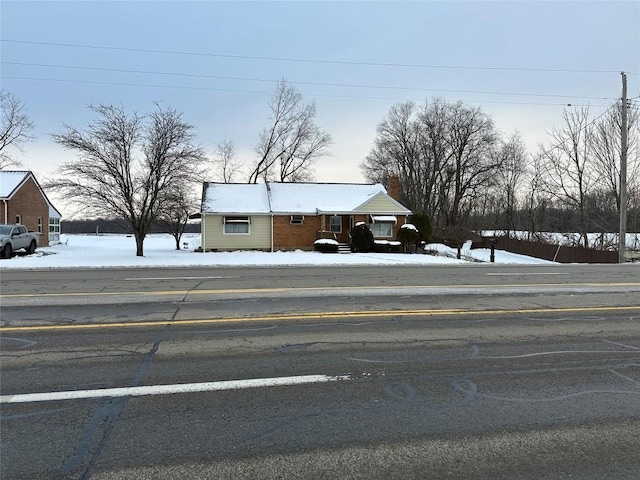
<point x="7" y="252"/>
<point x="32" y="248"/>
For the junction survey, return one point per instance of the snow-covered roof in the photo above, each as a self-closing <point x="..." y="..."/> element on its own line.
<point x="292" y="198"/>
<point x="10" y="180"/>
<point x="247" y="198"/>
<point x="312" y="198"/>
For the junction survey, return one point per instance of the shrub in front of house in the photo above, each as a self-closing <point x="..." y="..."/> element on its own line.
<point x="381" y="246"/>
<point x="395" y="246"/>
<point x="361" y="238"/>
<point x="409" y="236"/>
<point x="326" y="245"/>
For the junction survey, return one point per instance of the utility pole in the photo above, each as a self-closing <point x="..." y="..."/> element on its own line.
<point x="623" y="174"/>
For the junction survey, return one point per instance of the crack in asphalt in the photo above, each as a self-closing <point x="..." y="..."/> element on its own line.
<point x="105" y="419"/>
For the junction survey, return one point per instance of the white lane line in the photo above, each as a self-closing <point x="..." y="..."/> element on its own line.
<point x="175" y="278"/>
<point x="516" y="274"/>
<point x="170" y="389"/>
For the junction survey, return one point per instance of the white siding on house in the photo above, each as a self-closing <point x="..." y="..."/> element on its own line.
<point x="259" y="236"/>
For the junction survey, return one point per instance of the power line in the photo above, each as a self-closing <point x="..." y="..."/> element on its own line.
<point x="326" y="84"/>
<point x="311" y="60"/>
<point x="230" y="90"/>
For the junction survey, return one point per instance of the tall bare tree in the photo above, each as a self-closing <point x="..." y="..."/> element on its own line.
<point x="607" y="146"/>
<point x="288" y="148"/>
<point x="569" y="174"/>
<point x="513" y="158"/>
<point x="128" y="165"/>
<point x="226" y="166"/>
<point x="15" y="129"/>
<point x="473" y="164"/>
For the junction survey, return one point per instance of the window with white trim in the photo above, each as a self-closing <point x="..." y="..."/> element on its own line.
<point x="383" y="225"/>
<point x="236" y="225"/>
<point x="335" y="224"/>
<point x="54" y="229"/>
<point x="18" y="219"/>
<point x="297" y="219"/>
<point x="39" y="224"/>
<point x="382" y="229"/>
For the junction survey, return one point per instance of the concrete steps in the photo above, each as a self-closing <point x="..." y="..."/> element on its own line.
<point x="344" y="248"/>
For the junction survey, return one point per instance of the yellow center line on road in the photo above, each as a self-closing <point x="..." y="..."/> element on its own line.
<point x="313" y="316"/>
<point x="307" y="289"/>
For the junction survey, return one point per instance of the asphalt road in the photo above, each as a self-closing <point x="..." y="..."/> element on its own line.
<point x="464" y="372"/>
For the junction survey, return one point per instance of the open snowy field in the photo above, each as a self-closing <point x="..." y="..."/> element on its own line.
<point x="91" y="251"/>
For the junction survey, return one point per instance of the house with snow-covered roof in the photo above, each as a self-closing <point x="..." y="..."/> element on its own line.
<point x="22" y="200"/>
<point x="287" y="216"/>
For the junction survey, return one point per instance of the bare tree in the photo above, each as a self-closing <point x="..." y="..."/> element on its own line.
<point x="288" y="148"/>
<point x="569" y="175"/>
<point x="607" y="146"/>
<point x="513" y="158"/>
<point x="472" y="165"/>
<point x="225" y="163"/>
<point x="177" y="206"/>
<point x="396" y="150"/>
<point x="536" y="199"/>
<point x="14" y="130"/>
<point x="128" y="165"/>
<point x="443" y="155"/>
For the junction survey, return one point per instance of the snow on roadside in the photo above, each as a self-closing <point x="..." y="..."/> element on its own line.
<point x="102" y="251"/>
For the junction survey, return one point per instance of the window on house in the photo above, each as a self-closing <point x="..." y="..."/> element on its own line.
<point x="335" y="224"/>
<point x="382" y="225"/>
<point x="39" y="224"/>
<point x="297" y="219"/>
<point x="54" y="230"/>
<point x="384" y="229"/>
<point x="236" y="225"/>
<point x="18" y="219"/>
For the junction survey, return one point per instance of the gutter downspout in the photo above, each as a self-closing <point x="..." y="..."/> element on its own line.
<point x="268" y="187"/>
<point x="271" y="232"/>
<point x="6" y="213"/>
<point x="203" y="235"/>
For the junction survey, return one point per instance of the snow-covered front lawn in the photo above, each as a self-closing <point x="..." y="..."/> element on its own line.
<point x="91" y="251"/>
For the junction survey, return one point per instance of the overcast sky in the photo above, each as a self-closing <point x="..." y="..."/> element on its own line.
<point x="218" y="62"/>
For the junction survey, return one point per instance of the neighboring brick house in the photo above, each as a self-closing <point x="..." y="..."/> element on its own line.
<point x="287" y="216"/>
<point x="22" y="200"/>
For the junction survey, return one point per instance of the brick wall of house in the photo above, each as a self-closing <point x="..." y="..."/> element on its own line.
<point x="291" y="237"/>
<point x="29" y="203"/>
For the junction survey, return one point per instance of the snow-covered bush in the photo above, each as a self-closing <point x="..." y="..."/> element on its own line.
<point x="361" y="238"/>
<point x="326" y="245"/>
<point x="381" y="246"/>
<point x="409" y="236"/>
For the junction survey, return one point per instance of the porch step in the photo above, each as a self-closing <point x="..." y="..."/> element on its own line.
<point x="344" y="248"/>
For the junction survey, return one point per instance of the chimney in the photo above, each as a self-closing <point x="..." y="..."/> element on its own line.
<point x="393" y="187"/>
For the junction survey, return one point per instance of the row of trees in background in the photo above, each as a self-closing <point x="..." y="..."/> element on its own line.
<point x="456" y="167"/>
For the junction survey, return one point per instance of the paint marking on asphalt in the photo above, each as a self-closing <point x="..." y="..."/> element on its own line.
<point x="132" y="279"/>
<point x="311" y="316"/>
<point x="518" y="274"/>
<point x="170" y="389"/>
